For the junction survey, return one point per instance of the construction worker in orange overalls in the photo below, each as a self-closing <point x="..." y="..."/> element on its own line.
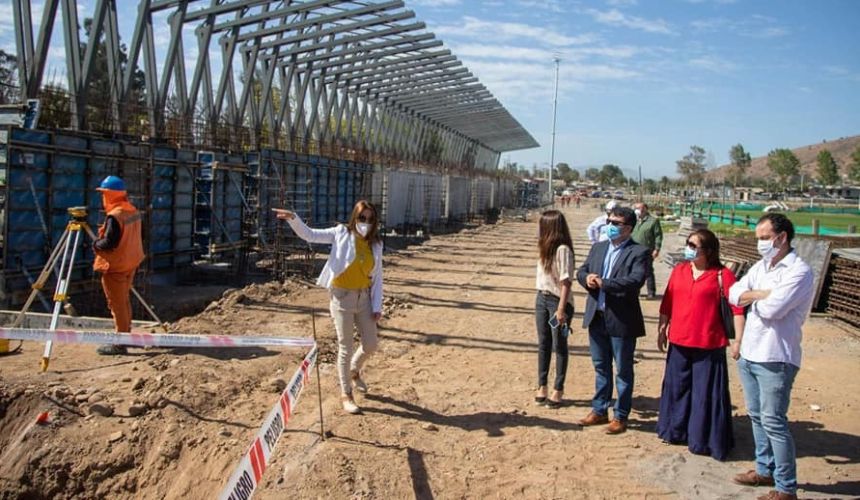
<point x="119" y="251"/>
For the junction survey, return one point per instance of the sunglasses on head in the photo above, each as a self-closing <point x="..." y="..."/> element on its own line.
<point x="362" y="218"/>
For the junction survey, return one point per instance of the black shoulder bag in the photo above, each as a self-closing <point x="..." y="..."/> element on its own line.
<point x="726" y="313"/>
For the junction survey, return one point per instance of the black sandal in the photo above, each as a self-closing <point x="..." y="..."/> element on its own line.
<point x="540" y="400"/>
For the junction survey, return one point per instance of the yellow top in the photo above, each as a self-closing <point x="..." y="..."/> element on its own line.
<point x="357" y="274"/>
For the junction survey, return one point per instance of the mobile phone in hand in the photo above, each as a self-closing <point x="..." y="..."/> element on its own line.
<point x="553" y="321"/>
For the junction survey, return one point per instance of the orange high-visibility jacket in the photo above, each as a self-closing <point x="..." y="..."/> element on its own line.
<point x="128" y="254"/>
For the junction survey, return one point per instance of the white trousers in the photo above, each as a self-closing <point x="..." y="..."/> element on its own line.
<point x="351" y="309"/>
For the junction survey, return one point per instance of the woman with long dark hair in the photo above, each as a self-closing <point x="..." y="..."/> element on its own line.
<point x="695" y="407"/>
<point x="353" y="276"/>
<point x="554" y="303"/>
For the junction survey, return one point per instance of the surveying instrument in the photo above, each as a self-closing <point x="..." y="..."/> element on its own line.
<point x="65" y="252"/>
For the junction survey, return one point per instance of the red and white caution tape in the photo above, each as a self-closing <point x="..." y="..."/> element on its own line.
<point x="151" y="339"/>
<point x="247" y="476"/>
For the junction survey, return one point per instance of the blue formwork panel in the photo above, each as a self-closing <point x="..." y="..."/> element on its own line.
<point x="31" y="136"/>
<point x="186" y="156"/>
<point x="163" y="153"/>
<point x="161" y="209"/>
<point x="71" y="142"/>
<point x="342" y="200"/>
<point x="299" y="197"/>
<point x="106" y="147"/>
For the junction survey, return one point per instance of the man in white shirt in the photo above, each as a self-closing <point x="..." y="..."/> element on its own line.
<point x="779" y="290"/>
<point x="595" y="229"/>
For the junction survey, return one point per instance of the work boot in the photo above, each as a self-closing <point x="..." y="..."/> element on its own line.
<point x="112" y="350"/>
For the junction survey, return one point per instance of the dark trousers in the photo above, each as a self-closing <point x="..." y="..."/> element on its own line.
<point x="695" y="407"/>
<point x="551" y="339"/>
<point x="650" y="282"/>
<point x="606" y="349"/>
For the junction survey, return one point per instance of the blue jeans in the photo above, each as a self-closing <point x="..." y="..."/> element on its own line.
<point x="551" y="339"/>
<point x="604" y="350"/>
<point x="767" y="392"/>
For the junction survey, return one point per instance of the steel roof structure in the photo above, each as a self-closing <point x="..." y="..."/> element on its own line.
<point x="361" y="74"/>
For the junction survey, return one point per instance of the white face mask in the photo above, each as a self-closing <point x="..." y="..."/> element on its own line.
<point x="363" y="228"/>
<point x="638" y="213"/>
<point x="767" y="249"/>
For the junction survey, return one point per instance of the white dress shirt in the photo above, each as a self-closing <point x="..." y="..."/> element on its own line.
<point x="595" y="229"/>
<point x="773" y="328"/>
<point x="341" y="256"/>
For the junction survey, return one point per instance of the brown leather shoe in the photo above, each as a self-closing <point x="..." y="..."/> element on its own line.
<point x="593" y="419"/>
<point x="751" y="478"/>
<point x="777" y="495"/>
<point x="616" y="426"/>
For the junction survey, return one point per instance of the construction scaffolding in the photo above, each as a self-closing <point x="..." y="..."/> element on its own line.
<point x="311" y="106"/>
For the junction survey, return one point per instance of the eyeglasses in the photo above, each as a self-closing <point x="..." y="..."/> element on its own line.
<point x="362" y="218"/>
<point x="692" y="245"/>
<point x="616" y="223"/>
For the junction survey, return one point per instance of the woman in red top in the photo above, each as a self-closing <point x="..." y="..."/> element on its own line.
<point x="695" y="407"/>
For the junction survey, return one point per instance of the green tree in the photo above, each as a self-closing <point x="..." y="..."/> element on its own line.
<point x="649" y="186"/>
<point x="783" y="164"/>
<point x="611" y="175"/>
<point x="741" y="161"/>
<point x="828" y="170"/>
<point x="854" y="169"/>
<point x="574" y="175"/>
<point x="8" y="78"/>
<point x="99" y="96"/>
<point x="692" y="166"/>
<point x="592" y="174"/>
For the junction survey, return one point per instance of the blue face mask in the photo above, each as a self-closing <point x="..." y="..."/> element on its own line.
<point x="690" y="253"/>
<point x="611" y="232"/>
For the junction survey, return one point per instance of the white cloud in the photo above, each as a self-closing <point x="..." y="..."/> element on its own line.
<point x="501" y="52"/>
<point x="615" y="17"/>
<point x="622" y="3"/>
<point x="755" y="26"/>
<point x="550" y="5"/>
<point x="619" y="52"/>
<point x="713" y="63"/>
<point x="842" y="73"/>
<point x="435" y="3"/>
<point x="472" y="27"/>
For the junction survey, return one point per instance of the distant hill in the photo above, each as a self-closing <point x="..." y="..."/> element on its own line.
<point x="841" y="150"/>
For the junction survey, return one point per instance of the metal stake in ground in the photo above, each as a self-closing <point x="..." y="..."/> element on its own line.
<point x="319" y="382"/>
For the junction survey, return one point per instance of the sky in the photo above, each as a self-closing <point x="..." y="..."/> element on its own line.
<point x="640" y="81"/>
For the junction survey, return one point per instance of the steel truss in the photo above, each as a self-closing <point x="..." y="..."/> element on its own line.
<point x="356" y="75"/>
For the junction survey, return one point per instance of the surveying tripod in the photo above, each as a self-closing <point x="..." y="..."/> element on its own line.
<point x="64" y="253"/>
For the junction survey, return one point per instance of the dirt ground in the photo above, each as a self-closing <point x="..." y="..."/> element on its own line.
<point x="449" y="413"/>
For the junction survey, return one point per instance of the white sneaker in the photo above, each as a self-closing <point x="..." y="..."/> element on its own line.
<point x="357" y="382"/>
<point x="349" y="405"/>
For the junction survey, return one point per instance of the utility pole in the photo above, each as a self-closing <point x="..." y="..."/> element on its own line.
<point x="640" y="183"/>
<point x="552" y="146"/>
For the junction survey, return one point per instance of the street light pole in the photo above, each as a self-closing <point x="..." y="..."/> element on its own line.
<point x="552" y="146"/>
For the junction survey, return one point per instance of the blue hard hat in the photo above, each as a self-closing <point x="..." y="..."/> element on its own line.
<point x="111" y="183"/>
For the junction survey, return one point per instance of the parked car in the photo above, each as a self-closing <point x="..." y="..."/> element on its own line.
<point x="595" y="194"/>
<point x="619" y="195"/>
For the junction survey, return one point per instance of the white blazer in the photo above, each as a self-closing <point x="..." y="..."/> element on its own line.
<point x="341" y="256"/>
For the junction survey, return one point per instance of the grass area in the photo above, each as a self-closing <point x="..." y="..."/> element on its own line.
<point x="723" y="229"/>
<point x="837" y="223"/>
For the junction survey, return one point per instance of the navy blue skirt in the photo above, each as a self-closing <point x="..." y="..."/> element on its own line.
<point x="695" y="406"/>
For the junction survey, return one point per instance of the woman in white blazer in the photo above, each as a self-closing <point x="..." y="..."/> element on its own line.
<point x="353" y="276"/>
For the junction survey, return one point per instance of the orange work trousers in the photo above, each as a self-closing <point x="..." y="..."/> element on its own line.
<point x="117" y="287"/>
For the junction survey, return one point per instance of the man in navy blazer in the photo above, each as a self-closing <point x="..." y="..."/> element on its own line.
<point x="612" y="274"/>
